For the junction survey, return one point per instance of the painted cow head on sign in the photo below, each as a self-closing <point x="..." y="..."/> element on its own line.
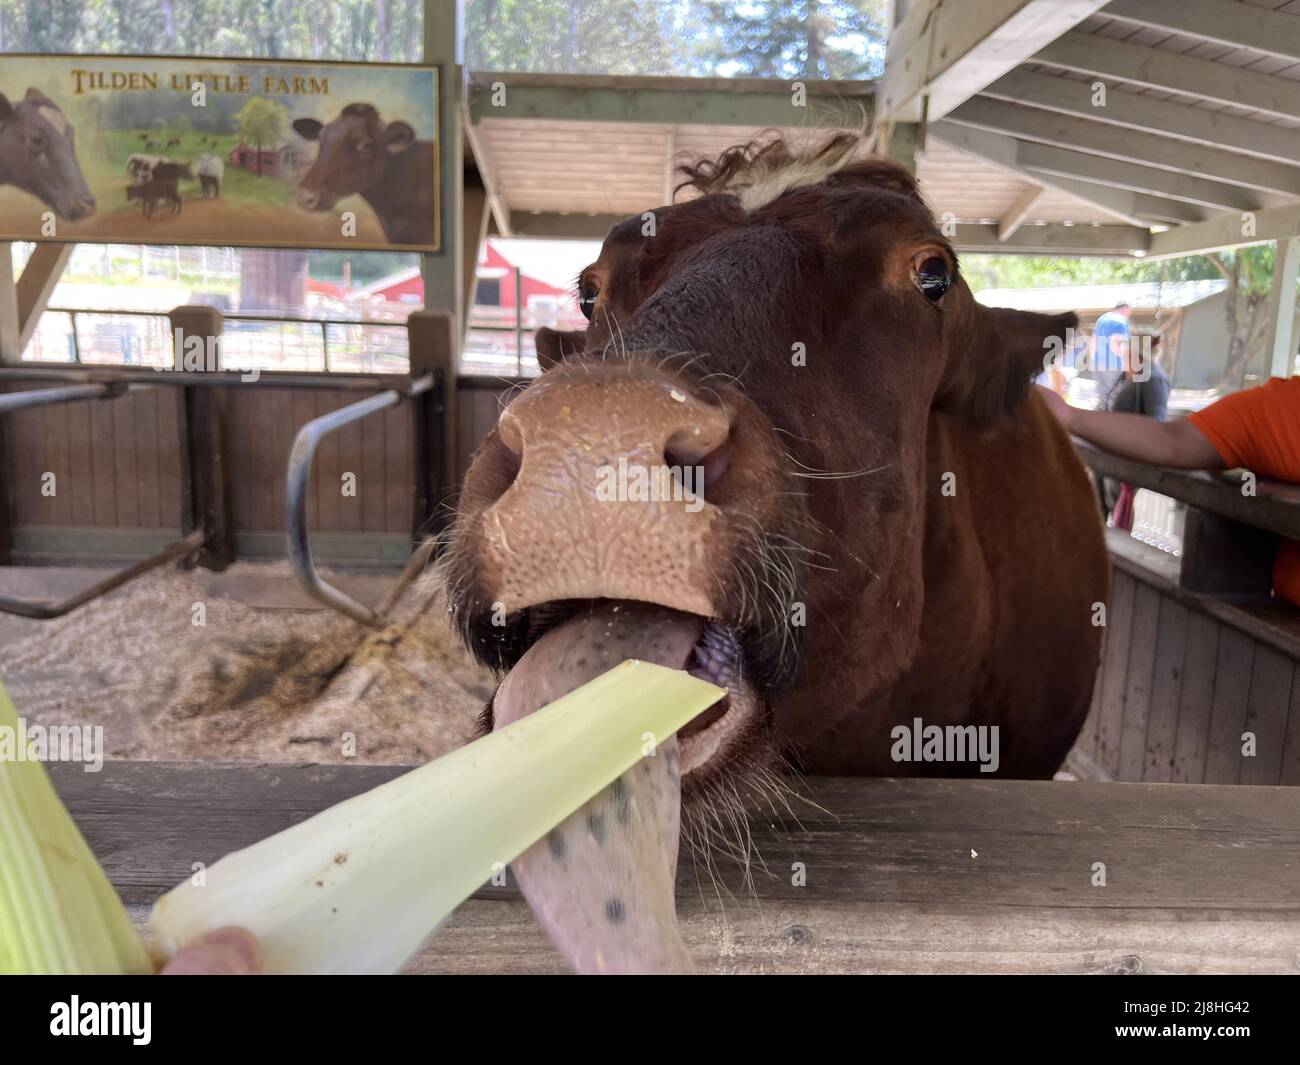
<point x="38" y="155"/>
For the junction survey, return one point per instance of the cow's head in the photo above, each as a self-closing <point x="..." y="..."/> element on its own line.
<point x="38" y="154"/>
<point x="788" y="335"/>
<point x="354" y="151"/>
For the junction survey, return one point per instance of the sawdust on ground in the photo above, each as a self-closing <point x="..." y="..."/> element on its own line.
<point x="250" y="683"/>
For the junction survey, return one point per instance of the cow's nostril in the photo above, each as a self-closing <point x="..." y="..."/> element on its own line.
<point x="712" y="465"/>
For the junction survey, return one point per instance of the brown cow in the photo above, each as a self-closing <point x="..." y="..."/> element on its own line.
<point x="38" y="155"/>
<point x="849" y="514"/>
<point x="892" y="529"/>
<point x="382" y="162"/>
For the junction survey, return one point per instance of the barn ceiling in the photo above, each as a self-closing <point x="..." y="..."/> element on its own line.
<point x="1143" y="126"/>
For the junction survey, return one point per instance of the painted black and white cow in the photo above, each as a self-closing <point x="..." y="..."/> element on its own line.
<point x="38" y="155"/>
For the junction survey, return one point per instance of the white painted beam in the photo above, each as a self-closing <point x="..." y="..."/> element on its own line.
<point x="487" y="174"/>
<point x="1089" y="53"/>
<point x="1019" y="211"/>
<point x="1286" y="278"/>
<point x="1228" y="231"/>
<point x="948" y="50"/>
<point x="37" y="283"/>
<point x="1116" y="240"/>
<point x="1145" y="114"/>
<point x="10" y="351"/>
<point x="1099" y="138"/>
<point x="1008" y="154"/>
<point x="1046" y="159"/>
<point x="1053" y="239"/>
<point x="1236" y="24"/>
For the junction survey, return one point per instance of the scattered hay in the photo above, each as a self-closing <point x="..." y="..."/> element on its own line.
<point x="251" y="683"/>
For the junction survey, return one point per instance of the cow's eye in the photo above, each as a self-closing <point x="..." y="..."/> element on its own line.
<point x="933" y="277"/>
<point x="37" y="144"/>
<point x="587" y="299"/>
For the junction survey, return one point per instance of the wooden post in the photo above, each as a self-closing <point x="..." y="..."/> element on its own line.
<point x="1225" y="558"/>
<point x="1286" y="275"/>
<point x="6" y="515"/>
<point x="476" y="214"/>
<point x="37" y="282"/>
<point x="10" y="352"/>
<point x="205" y="500"/>
<point x="431" y="338"/>
<point x="443" y="275"/>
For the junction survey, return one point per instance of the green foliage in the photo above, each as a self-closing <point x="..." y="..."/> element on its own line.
<point x="262" y="122"/>
<point x="1033" y="271"/>
<point x="574" y="36"/>
<point x="797" y="38"/>
<point x="377" y="30"/>
<point x="759" y="38"/>
<point x="367" y="266"/>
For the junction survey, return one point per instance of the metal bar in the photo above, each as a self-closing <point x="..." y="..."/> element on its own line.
<point x="225" y="379"/>
<point x="519" y="321"/>
<point x="299" y="474"/>
<point x="42" y="610"/>
<point x="76" y="339"/>
<point x="40" y="397"/>
<point x="227" y="317"/>
<point x="325" y="346"/>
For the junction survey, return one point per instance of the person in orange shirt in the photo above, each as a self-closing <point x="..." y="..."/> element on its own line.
<point x="1257" y="429"/>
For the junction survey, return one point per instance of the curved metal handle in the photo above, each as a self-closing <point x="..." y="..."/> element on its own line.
<point x="300" y="463"/>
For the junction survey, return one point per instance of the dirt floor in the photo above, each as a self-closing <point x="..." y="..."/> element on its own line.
<point x="265" y="677"/>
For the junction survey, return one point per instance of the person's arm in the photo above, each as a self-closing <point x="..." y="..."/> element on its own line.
<point x="1179" y="443"/>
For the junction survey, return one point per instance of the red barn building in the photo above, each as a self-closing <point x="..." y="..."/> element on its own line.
<point x="494" y="295"/>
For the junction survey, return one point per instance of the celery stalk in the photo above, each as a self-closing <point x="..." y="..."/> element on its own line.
<point x="360" y="886"/>
<point x="58" y="912"/>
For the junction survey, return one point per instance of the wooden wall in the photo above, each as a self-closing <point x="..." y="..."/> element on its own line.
<point x="260" y="425"/>
<point x="478" y="404"/>
<point x="1182" y="677"/>
<point x="116" y="463"/>
<point x="117" y="467"/>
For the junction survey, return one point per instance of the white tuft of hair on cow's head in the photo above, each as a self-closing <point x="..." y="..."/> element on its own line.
<point x="55" y="118"/>
<point x="760" y="172"/>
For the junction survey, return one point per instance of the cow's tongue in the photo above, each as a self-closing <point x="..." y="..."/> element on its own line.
<point x="601" y="883"/>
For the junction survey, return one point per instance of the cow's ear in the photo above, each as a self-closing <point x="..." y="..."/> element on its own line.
<point x="6" y="108"/>
<point x="556" y="345"/>
<point x="993" y="356"/>
<point x="307" y="128"/>
<point x="398" y="136"/>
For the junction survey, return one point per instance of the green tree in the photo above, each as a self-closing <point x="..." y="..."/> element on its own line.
<point x="261" y="122"/>
<point x="1249" y="273"/>
<point x="798" y="38"/>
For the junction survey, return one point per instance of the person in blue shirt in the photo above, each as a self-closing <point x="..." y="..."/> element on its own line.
<point x="1109" y="355"/>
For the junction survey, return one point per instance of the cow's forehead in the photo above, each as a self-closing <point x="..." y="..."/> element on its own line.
<point x="54" y="117"/>
<point x="357" y="122"/>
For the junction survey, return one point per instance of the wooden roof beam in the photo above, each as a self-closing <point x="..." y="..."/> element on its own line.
<point x="1153" y="68"/>
<point x="1239" y="25"/>
<point x="1114" y="142"/>
<point x="946" y="52"/>
<point x="754" y="102"/>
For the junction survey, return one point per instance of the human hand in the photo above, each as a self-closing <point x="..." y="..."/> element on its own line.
<point x="223" y="952"/>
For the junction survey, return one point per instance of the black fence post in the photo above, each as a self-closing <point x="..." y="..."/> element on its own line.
<point x="205" y="490"/>
<point x="431" y="342"/>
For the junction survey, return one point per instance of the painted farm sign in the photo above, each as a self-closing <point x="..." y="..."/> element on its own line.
<point x="143" y="150"/>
